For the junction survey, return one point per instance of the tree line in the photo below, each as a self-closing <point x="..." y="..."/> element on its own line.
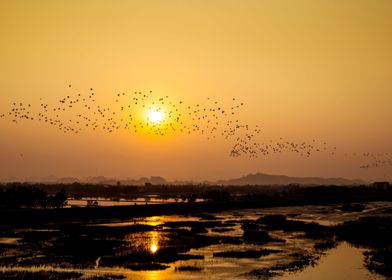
<point x="31" y="197"/>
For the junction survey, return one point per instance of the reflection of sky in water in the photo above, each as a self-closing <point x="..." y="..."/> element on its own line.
<point x="342" y="263"/>
<point x="154" y="221"/>
<point x="9" y="240"/>
<point x="337" y="263"/>
<point x="123" y="202"/>
<point x="150" y="221"/>
<point x="230" y="268"/>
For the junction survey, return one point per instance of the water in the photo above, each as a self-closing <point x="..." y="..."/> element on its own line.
<point x="122" y="202"/>
<point x="342" y="262"/>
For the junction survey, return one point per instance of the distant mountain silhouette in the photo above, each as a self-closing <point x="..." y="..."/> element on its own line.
<point x="251" y="179"/>
<point x="267" y="179"/>
<point x="96" y="179"/>
<point x="155" y="180"/>
<point x="67" y="180"/>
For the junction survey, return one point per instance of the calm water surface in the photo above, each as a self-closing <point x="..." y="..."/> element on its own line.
<point x="342" y="262"/>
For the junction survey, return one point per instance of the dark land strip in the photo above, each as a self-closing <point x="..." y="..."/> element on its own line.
<point x="39" y="216"/>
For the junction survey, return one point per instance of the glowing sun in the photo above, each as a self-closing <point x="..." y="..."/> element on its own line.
<point x="155" y="116"/>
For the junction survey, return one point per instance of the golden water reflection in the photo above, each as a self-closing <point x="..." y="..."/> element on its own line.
<point x="158" y="275"/>
<point x="150" y="241"/>
<point x="154" y="221"/>
<point x="154" y="242"/>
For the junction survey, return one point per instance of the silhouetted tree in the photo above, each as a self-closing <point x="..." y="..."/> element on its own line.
<point x="60" y="198"/>
<point x="30" y="197"/>
<point x="192" y="198"/>
<point x="217" y="195"/>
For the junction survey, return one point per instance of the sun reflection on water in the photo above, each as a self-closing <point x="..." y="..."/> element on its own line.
<point x="148" y="242"/>
<point x="153" y="248"/>
<point x="154" y="241"/>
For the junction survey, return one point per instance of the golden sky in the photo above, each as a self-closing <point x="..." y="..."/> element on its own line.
<point x="303" y="69"/>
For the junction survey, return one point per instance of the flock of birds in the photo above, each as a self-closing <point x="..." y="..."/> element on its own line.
<point x="74" y="113"/>
<point x="374" y="160"/>
<point x="302" y="149"/>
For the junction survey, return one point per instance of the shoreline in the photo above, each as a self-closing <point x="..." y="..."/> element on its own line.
<point x="36" y="216"/>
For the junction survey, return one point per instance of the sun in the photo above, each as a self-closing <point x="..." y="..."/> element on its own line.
<point x="155" y="116"/>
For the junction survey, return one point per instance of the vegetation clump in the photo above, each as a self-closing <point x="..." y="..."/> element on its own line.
<point x="31" y="197"/>
<point x="301" y="261"/>
<point x="353" y="207"/>
<point x="280" y="222"/>
<point x="190" y="268"/>
<point x="249" y="254"/>
<point x="374" y="233"/>
<point x="39" y="275"/>
<point x="379" y="261"/>
<point x="253" y="232"/>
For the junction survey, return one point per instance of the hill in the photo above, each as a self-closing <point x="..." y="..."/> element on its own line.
<point x="267" y="179"/>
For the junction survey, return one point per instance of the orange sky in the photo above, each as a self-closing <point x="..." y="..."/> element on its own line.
<point x="304" y="70"/>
